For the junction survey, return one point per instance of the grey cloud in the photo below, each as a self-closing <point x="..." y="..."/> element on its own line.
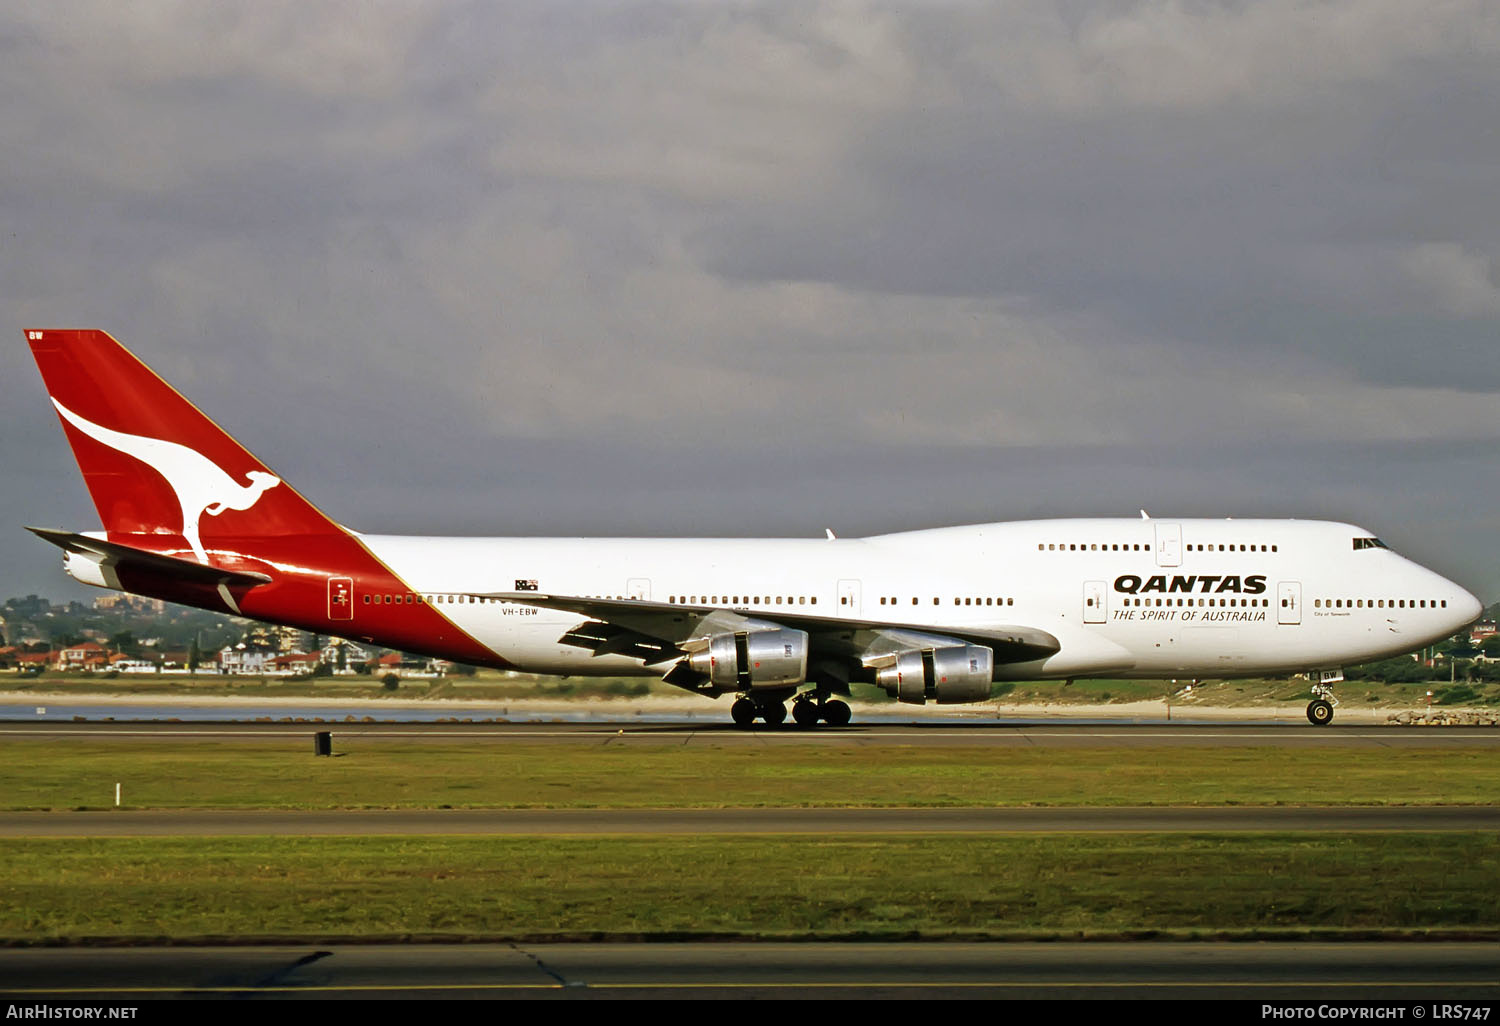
<point x="667" y="269"/>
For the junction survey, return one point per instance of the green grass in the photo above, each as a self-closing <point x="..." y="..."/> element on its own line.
<point x="610" y="771"/>
<point x="327" y="889"/>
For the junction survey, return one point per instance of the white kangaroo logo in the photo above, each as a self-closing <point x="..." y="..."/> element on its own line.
<point x="201" y="485"/>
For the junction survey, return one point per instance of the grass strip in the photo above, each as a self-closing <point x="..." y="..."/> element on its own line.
<point x="283" y="774"/>
<point x="312" y="889"/>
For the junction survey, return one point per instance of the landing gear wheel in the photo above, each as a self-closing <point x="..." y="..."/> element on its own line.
<point x="805" y="713"/>
<point x="1319" y="712"/>
<point x="836" y="713"/>
<point x="774" y="713"/>
<point x="743" y="712"/>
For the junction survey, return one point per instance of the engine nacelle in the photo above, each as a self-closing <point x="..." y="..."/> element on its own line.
<point x="745" y="660"/>
<point x="949" y="675"/>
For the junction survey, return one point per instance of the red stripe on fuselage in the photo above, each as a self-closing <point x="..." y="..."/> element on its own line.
<point x="299" y="567"/>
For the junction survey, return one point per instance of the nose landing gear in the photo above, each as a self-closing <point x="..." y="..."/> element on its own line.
<point x="1320" y="709"/>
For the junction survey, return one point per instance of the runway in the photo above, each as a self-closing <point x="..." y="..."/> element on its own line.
<point x="1299" y="972"/>
<point x="723" y="822"/>
<point x="980" y="733"/>
<point x="1290" y="972"/>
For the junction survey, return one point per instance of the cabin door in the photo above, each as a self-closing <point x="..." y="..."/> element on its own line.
<point x="849" y="598"/>
<point x="1289" y="602"/>
<point x="340" y="598"/>
<point x="1093" y="601"/>
<point x="1168" y="544"/>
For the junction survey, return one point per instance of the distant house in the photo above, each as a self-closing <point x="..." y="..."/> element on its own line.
<point x="86" y="655"/>
<point x="124" y="602"/>
<point x="405" y="665"/>
<point x="1481" y="630"/>
<point x="174" y="660"/>
<point x="243" y="659"/>
<point x="35" y="660"/>
<point x="298" y="662"/>
<point x="343" y="656"/>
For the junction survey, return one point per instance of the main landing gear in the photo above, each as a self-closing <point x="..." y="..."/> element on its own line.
<point x="1320" y="709"/>
<point x="807" y="711"/>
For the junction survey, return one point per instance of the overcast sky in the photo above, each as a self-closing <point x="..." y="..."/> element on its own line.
<point x="762" y="269"/>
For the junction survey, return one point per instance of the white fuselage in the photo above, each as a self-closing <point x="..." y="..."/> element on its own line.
<point x="1124" y="597"/>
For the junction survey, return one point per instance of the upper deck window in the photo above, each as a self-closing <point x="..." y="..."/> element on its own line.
<point x="1369" y="543"/>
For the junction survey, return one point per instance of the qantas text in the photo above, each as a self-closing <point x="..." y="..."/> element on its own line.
<point x="1130" y="584"/>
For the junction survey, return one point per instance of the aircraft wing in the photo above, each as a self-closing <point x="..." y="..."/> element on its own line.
<point x="656" y="631"/>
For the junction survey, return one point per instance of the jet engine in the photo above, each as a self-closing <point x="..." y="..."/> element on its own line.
<point x="948" y="675"/>
<point x="744" y="660"/>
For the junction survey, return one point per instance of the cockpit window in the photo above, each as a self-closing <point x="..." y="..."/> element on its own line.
<point x="1369" y="543"/>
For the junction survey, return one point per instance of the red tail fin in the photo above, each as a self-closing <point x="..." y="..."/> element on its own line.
<point x="153" y="464"/>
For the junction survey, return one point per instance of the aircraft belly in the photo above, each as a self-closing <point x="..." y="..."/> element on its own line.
<point x="532" y="646"/>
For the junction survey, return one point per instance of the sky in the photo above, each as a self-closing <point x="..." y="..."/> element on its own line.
<point x="655" y="269"/>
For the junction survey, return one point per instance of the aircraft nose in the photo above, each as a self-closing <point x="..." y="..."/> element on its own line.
<point x="1469" y="607"/>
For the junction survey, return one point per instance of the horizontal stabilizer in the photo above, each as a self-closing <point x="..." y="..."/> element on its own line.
<point x="115" y="554"/>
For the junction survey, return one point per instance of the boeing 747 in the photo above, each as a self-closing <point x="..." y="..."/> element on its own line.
<point x="190" y="516"/>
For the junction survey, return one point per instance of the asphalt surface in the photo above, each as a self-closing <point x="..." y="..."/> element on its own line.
<point x="1386" y="973"/>
<point x="704" y="822"/>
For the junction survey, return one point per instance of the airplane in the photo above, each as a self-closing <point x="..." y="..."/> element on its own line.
<point x="936" y="615"/>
